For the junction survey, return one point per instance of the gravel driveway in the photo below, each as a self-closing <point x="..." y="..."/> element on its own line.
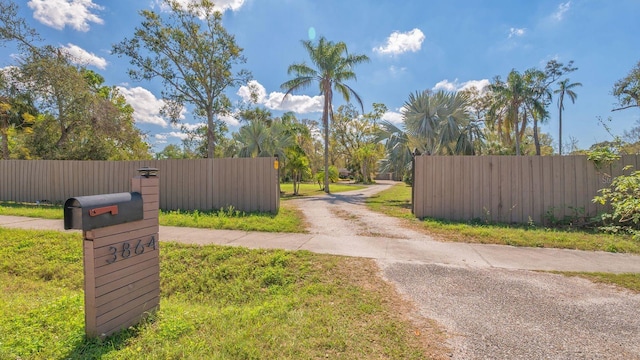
<point x="494" y="313"/>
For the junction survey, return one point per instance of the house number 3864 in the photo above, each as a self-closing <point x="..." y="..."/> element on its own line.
<point x="126" y="250"/>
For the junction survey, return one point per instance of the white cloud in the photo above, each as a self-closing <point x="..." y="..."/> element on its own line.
<point x="562" y="9"/>
<point x="253" y="92"/>
<point x="301" y="104"/>
<point x="188" y="127"/>
<point x="516" y="32"/>
<point x="161" y="137"/>
<point x="83" y="57"/>
<point x="229" y="119"/>
<point x="393" y="117"/>
<point x="398" y="43"/>
<point x="256" y="93"/>
<point x="60" y="13"/>
<point x="220" y="5"/>
<point x="176" y="134"/>
<point x="145" y="105"/>
<point x="446" y="85"/>
<point x="395" y="71"/>
<point x="478" y="84"/>
<point x="455" y="86"/>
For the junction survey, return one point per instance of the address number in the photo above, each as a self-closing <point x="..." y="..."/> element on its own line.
<point x="127" y="250"/>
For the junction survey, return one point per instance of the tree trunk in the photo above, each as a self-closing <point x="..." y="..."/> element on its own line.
<point x="536" y="140"/>
<point x="211" y="136"/>
<point x="294" y="176"/>
<point x="325" y="122"/>
<point x="515" y="134"/>
<point x="560" y="126"/>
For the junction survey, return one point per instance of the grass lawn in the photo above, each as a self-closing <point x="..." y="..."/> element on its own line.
<point x="307" y="189"/>
<point x="396" y="201"/>
<point x="216" y="303"/>
<point x="289" y="219"/>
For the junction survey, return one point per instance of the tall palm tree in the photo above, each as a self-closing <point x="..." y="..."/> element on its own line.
<point x="509" y="108"/>
<point x="332" y="66"/>
<point x="564" y="88"/>
<point x="537" y="101"/>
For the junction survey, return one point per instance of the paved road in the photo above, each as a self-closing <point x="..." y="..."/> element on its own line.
<point x="486" y="297"/>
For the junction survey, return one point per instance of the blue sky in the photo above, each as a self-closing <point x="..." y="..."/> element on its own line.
<point x="413" y="45"/>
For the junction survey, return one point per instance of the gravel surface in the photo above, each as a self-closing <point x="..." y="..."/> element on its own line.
<point x="518" y="314"/>
<point x="494" y="313"/>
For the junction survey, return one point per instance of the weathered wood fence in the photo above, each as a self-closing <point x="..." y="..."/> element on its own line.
<point x="510" y="189"/>
<point x="247" y="184"/>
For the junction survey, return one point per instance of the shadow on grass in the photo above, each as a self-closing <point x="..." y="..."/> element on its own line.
<point x="96" y="348"/>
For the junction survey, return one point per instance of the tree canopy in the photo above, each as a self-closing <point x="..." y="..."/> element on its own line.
<point x="627" y="90"/>
<point x="193" y="55"/>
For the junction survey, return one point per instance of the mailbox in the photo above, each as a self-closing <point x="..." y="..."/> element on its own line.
<point x="97" y="211"/>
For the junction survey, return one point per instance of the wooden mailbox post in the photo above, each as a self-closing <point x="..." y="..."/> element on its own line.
<point x="120" y="254"/>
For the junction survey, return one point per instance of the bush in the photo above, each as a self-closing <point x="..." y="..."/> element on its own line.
<point x="624" y="197"/>
<point x="333" y="176"/>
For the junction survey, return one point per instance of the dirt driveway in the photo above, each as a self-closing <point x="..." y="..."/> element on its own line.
<point x="492" y="312"/>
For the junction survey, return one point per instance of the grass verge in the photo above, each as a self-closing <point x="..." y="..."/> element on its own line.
<point x="396" y="201"/>
<point x="288" y="219"/>
<point x="307" y="189"/>
<point x="216" y="303"/>
<point x="629" y="281"/>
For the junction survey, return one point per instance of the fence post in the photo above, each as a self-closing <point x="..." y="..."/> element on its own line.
<point x="413" y="179"/>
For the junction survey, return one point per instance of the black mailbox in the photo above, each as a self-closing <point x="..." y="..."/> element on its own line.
<point x="97" y="211"/>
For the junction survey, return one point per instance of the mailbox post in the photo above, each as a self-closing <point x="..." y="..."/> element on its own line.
<point x="120" y="254"/>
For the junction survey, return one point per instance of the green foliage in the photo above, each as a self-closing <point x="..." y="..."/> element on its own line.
<point x="216" y="303"/>
<point x="623" y="195"/>
<point x="575" y="220"/>
<point x="627" y="89"/>
<point x="439" y="123"/>
<point x="191" y="52"/>
<point x="602" y="156"/>
<point x="333" y="176"/>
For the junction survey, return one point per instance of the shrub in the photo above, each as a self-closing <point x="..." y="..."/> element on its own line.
<point x="624" y="197"/>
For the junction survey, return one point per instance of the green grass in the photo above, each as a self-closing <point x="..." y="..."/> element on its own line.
<point x="629" y="281"/>
<point x="288" y="219"/>
<point x="216" y="303"/>
<point x="31" y="210"/>
<point x="307" y="189"/>
<point x="396" y="201"/>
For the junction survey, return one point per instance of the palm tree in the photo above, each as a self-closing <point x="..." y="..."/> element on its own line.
<point x="259" y="140"/>
<point x="509" y="108"/>
<point x="397" y="148"/>
<point x="333" y="65"/>
<point x="437" y="121"/>
<point x="564" y="88"/>
<point x="537" y="101"/>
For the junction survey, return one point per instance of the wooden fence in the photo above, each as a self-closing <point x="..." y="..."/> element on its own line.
<point x="510" y="189"/>
<point x="247" y="184"/>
